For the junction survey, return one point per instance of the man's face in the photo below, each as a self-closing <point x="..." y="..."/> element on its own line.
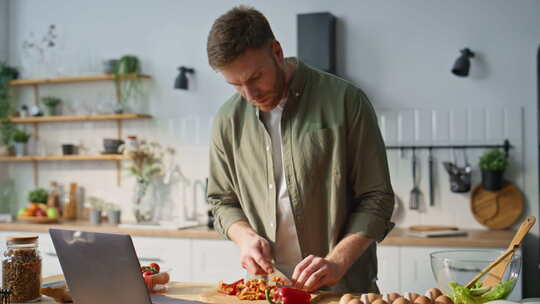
<point x="258" y="75"/>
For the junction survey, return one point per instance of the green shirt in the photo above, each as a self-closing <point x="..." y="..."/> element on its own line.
<point x="334" y="164"/>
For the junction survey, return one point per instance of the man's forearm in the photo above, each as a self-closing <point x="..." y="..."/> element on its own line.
<point x="349" y="249"/>
<point x="239" y="231"/>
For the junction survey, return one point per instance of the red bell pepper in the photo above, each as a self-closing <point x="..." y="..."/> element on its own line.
<point x="286" y="295"/>
<point x="230" y="289"/>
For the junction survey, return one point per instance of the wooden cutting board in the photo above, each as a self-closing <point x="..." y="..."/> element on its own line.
<point x="497" y="209"/>
<point x="216" y="297"/>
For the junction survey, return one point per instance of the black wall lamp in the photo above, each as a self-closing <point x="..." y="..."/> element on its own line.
<point x="181" y="81"/>
<point x="463" y="63"/>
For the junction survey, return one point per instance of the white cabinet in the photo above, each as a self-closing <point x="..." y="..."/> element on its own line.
<point x="215" y="260"/>
<point x="388" y="258"/>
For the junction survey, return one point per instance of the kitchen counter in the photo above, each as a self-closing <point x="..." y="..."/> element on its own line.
<point x="207" y="293"/>
<point x="397" y="237"/>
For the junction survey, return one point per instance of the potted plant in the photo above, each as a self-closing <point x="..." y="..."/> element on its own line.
<point x="20" y="137"/>
<point x="95" y="204"/>
<point x="128" y="84"/>
<point x="7" y="74"/>
<point x="51" y="104"/>
<point x="493" y="163"/>
<point x="113" y="213"/>
<point x="38" y="195"/>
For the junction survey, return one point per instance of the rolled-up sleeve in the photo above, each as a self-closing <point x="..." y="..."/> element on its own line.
<point x="372" y="199"/>
<point x="221" y="194"/>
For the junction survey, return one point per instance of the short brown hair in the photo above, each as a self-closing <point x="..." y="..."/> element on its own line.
<point x="233" y="33"/>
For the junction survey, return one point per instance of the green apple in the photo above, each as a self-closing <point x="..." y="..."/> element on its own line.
<point x="22" y="211"/>
<point x="52" y="213"/>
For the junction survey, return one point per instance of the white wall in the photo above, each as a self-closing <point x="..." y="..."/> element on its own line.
<point x="4" y="21"/>
<point x="399" y="52"/>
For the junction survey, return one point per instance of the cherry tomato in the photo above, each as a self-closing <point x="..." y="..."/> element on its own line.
<point x="147" y="274"/>
<point x="155" y="266"/>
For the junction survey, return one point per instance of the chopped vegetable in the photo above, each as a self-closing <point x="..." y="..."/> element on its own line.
<point x="478" y="294"/>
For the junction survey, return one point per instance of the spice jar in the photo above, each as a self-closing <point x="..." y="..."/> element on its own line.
<point x="21" y="268"/>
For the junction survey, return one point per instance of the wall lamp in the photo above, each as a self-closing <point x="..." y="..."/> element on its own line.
<point x="463" y="63"/>
<point x="181" y="81"/>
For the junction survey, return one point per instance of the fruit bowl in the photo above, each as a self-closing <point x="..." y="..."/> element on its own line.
<point x="461" y="266"/>
<point x="38" y="219"/>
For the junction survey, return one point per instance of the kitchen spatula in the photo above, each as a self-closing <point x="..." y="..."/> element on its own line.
<point x="495" y="275"/>
<point x="495" y="269"/>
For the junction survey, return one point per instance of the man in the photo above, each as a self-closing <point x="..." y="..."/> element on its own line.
<point x="298" y="171"/>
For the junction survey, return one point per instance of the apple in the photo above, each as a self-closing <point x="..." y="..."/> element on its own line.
<point x="52" y="213"/>
<point x="22" y="212"/>
<point x="40" y="212"/>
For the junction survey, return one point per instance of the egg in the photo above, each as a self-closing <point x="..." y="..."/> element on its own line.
<point x="413" y="296"/>
<point x="346" y="298"/>
<point x="379" y="301"/>
<point x="443" y="300"/>
<point x="355" y="301"/>
<point x="433" y="293"/>
<point x="391" y="297"/>
<point x="401" y="300"/>
<point x="422" y="300"/>
<point x="367" y="298"/>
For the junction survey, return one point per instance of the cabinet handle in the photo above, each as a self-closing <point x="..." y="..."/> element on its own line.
<point x="53" y="254"/>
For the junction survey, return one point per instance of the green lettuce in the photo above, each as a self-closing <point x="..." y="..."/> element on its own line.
<point x="478" y="294"/>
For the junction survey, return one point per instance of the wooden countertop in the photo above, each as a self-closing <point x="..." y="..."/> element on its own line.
<point x="397" y="237"/>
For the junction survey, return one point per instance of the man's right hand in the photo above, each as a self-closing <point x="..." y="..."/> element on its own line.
<point x="255" y="251"/>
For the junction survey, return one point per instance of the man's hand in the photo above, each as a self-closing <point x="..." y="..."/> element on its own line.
<point x="255" y="251"/>
<point x="314" y="272"/>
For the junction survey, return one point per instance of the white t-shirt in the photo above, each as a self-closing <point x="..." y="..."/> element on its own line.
<point x="287" y="253"/>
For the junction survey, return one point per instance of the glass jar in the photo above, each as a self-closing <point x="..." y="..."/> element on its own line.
<point x="21" y="268"/>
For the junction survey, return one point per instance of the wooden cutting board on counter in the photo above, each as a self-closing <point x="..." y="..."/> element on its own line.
<point x="216" y="297"/>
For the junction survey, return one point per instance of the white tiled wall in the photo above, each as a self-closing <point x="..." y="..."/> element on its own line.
<point x="456" y="126"/>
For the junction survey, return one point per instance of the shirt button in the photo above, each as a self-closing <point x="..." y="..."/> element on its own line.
<point x="272" y="224"/>
<point x="270" y="186"/>
<point x="267" y="148"/>
<point x="297" y="94"/>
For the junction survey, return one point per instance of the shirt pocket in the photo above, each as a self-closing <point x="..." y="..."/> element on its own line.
<point x="319" y="151"/>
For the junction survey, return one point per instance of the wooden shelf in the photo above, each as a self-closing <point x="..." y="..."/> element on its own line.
<point x="116" y="157"/>
<point x="29" y="82"/>
<point x="79" y="118"/>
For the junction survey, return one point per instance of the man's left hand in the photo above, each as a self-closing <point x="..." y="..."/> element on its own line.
<point x="314" y="272"/>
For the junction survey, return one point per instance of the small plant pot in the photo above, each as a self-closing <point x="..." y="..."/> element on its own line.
<point x="114" y="216"/>
<point x="95" y="217"/>
<point x="21" y="149"/>
<point x="4" y="150"/>
<point x="51" y="111"/>
<point x="492" y="180"/>
<point x="69" y="149"/>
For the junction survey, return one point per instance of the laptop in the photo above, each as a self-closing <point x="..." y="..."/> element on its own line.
<point x="103" y="268"/>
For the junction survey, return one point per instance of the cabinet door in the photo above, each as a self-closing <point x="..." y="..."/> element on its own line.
<point x="417" y="276"/>
<point x="170" y="253"/>
<point x="215" y="260"/>
<point x="388" y="268"/>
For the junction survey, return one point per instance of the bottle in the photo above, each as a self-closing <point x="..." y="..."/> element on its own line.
<point x="53" y="201"/>
<point x="70" y="206"/>
<point x="21" y="268"/>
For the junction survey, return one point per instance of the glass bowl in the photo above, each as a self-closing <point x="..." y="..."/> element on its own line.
<point x="461" y="266"/>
